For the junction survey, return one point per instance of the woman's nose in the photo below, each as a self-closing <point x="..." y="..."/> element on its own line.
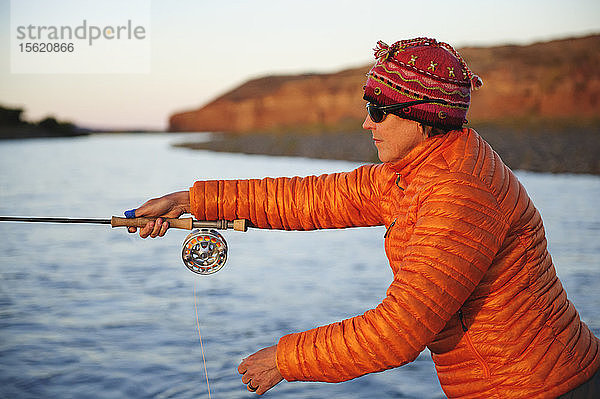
<point x="368" y="124"/>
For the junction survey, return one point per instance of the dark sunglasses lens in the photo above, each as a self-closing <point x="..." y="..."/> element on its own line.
<point x="375" y="114"/>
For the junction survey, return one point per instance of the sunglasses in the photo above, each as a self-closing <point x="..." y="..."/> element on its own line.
<point x="377" y="113"/>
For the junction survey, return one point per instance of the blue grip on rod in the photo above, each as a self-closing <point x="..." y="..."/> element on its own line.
<point x="130" y="214"/>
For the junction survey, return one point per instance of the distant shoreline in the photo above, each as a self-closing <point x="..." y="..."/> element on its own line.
<point x="566" y="150"/>
<point x="34" y="132"/>
<point x="27" y="132"/>
<point x="551" y="149"/>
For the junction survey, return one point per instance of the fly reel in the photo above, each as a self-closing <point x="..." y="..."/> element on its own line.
<point x="204" y="251"/>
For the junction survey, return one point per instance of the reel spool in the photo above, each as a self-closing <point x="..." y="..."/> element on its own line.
<point x="204" y="251"/>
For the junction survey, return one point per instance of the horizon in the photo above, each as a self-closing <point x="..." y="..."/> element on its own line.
<point x="185" y="71"/>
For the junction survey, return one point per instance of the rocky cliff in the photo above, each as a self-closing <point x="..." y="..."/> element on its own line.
<point x="551" y="82"/>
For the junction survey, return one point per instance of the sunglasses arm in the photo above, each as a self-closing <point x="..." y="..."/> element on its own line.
<point x="409" y="104"/>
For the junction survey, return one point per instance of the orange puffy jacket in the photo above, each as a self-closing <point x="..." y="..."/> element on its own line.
<point x="473" y="280"/>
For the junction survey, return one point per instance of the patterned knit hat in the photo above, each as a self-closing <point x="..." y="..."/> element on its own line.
<point x="418" y="69"/>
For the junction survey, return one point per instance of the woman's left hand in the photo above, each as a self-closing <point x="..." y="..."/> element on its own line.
<point x="260" y="371"/>
<point x="168" y="206"/>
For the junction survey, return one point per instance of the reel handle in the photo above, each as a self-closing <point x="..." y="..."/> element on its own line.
<point x="183" y="223"/>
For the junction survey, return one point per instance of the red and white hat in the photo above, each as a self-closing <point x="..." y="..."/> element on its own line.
<point x="418" y="69"/>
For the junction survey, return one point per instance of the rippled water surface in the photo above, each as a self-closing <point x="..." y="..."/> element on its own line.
<point x="86" y="311"/>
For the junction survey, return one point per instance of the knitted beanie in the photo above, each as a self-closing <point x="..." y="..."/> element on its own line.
<point x="418" y="69"/>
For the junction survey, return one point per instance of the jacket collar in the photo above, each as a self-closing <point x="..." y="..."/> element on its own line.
<point x="407" y="166"/>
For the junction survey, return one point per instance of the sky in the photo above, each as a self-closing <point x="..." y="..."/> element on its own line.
<point x="201" y="49"/>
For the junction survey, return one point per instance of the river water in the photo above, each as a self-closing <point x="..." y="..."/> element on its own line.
<point x="90" y="312"/>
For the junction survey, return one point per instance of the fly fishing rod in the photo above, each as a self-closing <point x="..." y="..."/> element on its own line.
<point x="204" y="249"/>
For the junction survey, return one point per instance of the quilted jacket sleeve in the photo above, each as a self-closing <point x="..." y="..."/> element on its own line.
<point x="458" y="230"/>
<point x="299" y="203"/>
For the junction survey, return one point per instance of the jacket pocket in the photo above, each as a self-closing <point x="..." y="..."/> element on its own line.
<point x="472" y="349"/>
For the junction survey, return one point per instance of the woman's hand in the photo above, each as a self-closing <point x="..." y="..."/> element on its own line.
<point x="260" y="371"/>
<point x="169" y="206"/>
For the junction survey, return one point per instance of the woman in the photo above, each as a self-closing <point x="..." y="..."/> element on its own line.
<point x="473" y="280"/>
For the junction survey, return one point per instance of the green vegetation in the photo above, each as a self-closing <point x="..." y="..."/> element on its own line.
<point x="12" y="126"/>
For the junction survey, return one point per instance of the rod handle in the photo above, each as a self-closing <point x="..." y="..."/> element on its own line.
<point x="240" y="225"/>
<point x="222" y="224"/>
<point x="183" y="223"/>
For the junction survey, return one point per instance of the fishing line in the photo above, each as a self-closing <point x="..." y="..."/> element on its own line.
<point x="200" y="336"/>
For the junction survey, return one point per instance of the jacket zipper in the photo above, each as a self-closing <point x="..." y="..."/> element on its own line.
<point x="394" y="222"/>
<point x="389" y="228"/>
<point x="387" y="231"/>
<point x="398" y="176"/>
<point x="480" y="359"/>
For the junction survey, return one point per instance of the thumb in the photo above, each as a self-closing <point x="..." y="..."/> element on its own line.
<point x="157" y="207"/>
<point x="130" y="214"/>
<point x="151" y="208"/>
<point x="143" y="210"/>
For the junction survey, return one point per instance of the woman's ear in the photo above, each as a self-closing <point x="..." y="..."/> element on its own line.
<point x="426" y="130"/>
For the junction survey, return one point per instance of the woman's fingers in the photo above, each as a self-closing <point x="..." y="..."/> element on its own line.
<point x="168" y="206"/>
<point x="156" y="228"/>
<point x="163" y="229"/>
<point x="147" y="229"/>
<point x="259" y="370"/>
<point x="246" y="379"/>
<point x="159" y="229"/>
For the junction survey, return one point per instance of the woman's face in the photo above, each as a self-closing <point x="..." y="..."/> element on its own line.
<point x="394" y="137"/>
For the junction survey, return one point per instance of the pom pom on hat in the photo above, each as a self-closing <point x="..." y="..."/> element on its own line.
<point x="422" y="68"/>
<point x="476" y="82"/>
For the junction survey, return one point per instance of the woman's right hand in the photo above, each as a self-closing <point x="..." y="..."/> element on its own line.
<point x="168" y="206"/>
